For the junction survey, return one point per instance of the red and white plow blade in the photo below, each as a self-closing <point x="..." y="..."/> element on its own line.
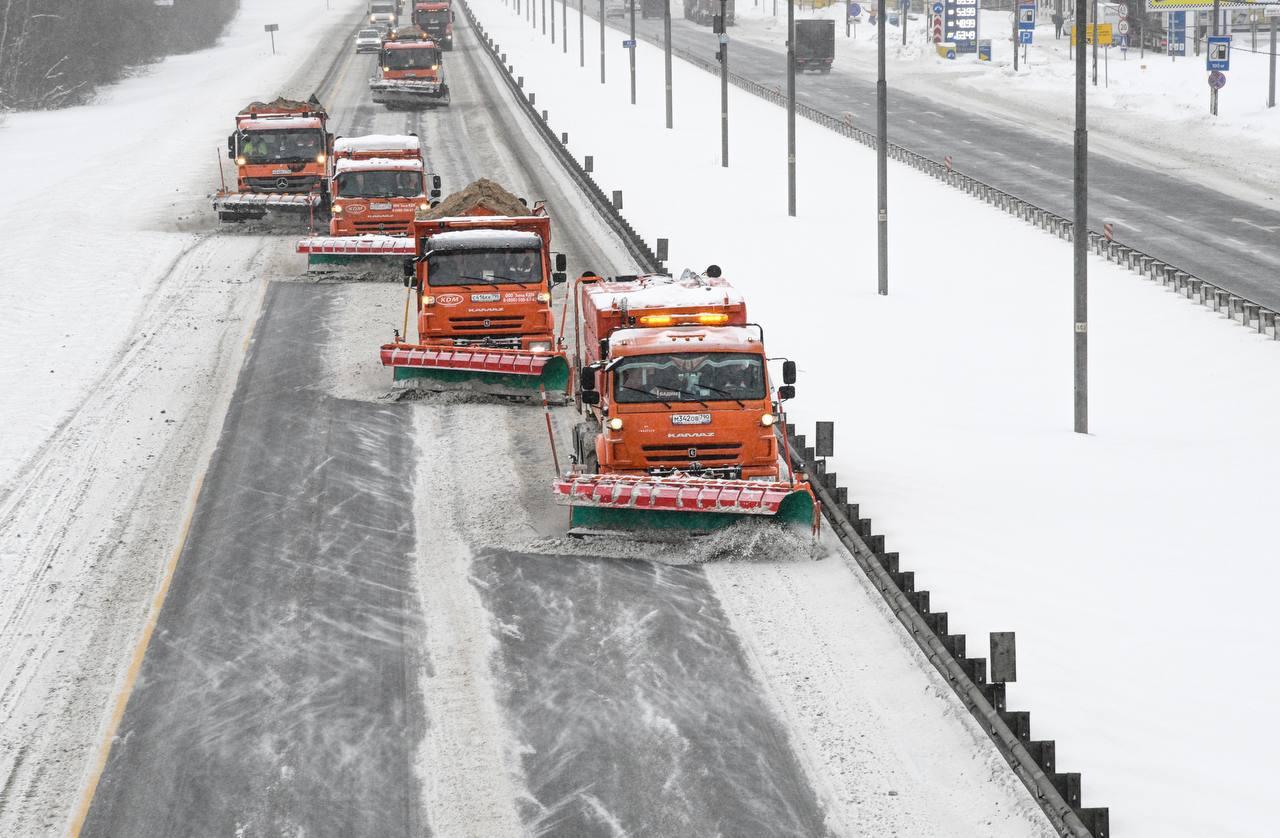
<point x="479" y="359"/>
<point x="267" y="200"/>
<point x="371" y="245"/>
<point x="690" y="494"/>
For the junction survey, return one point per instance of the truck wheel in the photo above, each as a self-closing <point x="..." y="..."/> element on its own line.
<point x="827" y="70"/>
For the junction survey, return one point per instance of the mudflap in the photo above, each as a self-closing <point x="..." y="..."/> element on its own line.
<point x="553" y="377"/>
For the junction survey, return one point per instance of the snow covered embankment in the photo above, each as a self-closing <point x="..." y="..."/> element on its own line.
<point x="122" y="318"/>
<point x="953" y="403"/>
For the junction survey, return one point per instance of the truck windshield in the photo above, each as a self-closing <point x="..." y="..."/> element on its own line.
<point x="481" y="267"/>
<point x="421" y="58"/>
<point x="380" y="184"/>
<point x="382" y="8"/>
<point x="433" y="20"/>
<point x="280" y="146"/>
<point x="689" y="377"/>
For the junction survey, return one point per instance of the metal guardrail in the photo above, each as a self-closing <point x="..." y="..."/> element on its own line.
<point x="1246" y="312"/>
<point x="1058" y="795"/>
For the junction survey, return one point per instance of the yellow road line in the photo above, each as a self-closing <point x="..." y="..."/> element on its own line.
<point x="135" y="666"/>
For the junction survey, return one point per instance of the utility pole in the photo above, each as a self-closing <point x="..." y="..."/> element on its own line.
<point x="902" y="18"/>
<point x="882" y="161"/>
<point x="1095" y="41"/>
<point x="632" y="4"/>
<point x="602" y="41"/>
<point x="1271" y="85"/>
<point x="724" y="86"/>
<point x="1213" y="91"/>
<point x="1014" y="38"/>
<point x="791" y="105"/>
<point x="553" y="21"/>
<point x="666" y="45"/>
<point x="544" y="14"/>
<point x="1080" y="233"/>
<point x="582" y="35"/>
<point x="564" y="26"/>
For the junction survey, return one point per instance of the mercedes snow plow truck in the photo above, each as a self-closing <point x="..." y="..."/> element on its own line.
<point x="680" y="415"/>
<point x="281" y="150"/>
<point x="410" y="71"/>
<point x="482" y="277"/>
<point x="379" y="182"/>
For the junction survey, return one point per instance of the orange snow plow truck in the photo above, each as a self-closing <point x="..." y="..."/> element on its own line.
<point x="378" y="184"/>
<point x="281" y="150"/>
<point x="680" y="414"/>
<point x="411" y="73"/>
<point x="482" y="277"/>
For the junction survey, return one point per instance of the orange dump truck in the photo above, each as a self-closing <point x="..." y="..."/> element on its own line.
<point x="281" y="150"/>
<point x="410" y="71"/>
<point x="378" y="184"/>
<point x="680" y="413"/>
<point x="436" y="19"/>
<point x="482" y="278"/>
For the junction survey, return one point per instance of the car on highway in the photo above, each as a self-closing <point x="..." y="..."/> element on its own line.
<point x="369" y="40"/>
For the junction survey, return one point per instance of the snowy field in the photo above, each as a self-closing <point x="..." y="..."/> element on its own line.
<point x="953" y="405"/>
<point x="1162" y="105"/>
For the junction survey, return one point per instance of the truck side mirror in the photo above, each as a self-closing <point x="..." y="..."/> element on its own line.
<point x="788" y="373"/>
<point x="587" y="379"/>
<point x="562" y="262"/>
<point x="409" y="272"/>
<point x="717" y="24"/>
<point x="604" y="347"/>
<point x="558" y="278"/>
<point x="786" y="391"/>
<point x="590" y="397"/>
<point x="231" y="146"/>
<point x="435" y="183"/>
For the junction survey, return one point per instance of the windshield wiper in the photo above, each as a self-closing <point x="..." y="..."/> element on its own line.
<point x="644" y="392"/>
<point x="694" y="396"/>
<point x="740" y="402"/>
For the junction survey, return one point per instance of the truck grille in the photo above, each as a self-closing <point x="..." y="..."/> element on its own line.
<point x="497" y="324"/>
<point x="677" y="456"/>
<point x="292" y="184"/>
<point x="493" y="343"/>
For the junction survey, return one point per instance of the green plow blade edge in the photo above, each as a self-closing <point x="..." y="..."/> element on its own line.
<point x="796" y="510"/>
<point x="554" y="377"/>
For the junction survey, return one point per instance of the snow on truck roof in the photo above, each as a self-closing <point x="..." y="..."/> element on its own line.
<point x="278" y="123"/>
<point x="689" y="291"/>
<point x="484" y="240"/>
<point x="689" y="339"/>
<point x="377" y="164"/>
<point x="376" y="142"/>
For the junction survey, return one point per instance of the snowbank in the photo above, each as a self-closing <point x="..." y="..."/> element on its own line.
<point x="1117" y="556"/>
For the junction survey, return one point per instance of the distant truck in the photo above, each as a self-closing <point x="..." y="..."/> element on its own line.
<point x="281" y="150"/>
<point x="815" y="45"/>
<point x="702" y="12"/>
<point x="378" y="185"/>
<point x="653" y="8"/>
<point x="411" y="74"/>
<point x="436" y="19"/>
<point x="384" y="13"/>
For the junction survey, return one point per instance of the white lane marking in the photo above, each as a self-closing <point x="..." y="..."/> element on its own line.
<point x="1253" y="224"/>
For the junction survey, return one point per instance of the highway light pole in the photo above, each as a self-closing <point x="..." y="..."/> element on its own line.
<point x="582" y="35"/>
<point x="564" y="26"/>
<point x="602" y="41"/>
<point x="791" y="106"/>
<point x="1080" y="233"/>
<point x="632" y="4"/>
<point x="723" y="33"/>
<point x="1213" y="91"/>
<point x="1095" y="43"/>
<point x="882" y="159"/>
<point x="666" y="46"/>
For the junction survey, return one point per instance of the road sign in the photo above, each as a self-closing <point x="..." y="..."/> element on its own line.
<point x="1123" y="27"/>
<point x="1103" y="30"/>
<point x="1271" y="11"/>
<point x="1109" y="230"/>
<point x="947" y="162"/>
<point x="855" y="10"/>
<point x="1217" y="80"/>
<point x="1024" y="36"/>
<point x="960" y="24"/>
<point x="1026" y="16"/>
<point x="628" y="44"/>
<point x="937" y="8"/>
<point x="1123" y="9"/>
<point x="984" y="49"/>
<point x="271" y="27"/>
<point x="1219" y="55"/>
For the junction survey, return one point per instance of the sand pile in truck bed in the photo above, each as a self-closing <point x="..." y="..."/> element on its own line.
<point x="482" y="193"/>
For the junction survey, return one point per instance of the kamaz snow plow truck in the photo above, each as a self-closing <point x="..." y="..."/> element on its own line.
<point x="410" y="72"/>
<point x="378" y="184"/>
<point x="679" y="429"/>
<point x="281" y="150"/>
<point x="436" y="19"/>
<point x="482" y="277"/>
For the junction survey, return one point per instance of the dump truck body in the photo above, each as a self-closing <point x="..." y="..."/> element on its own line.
<point x="815" y="44"/>
<point x="436" y="19"/>
<point x="482" y="283"/>
<point x="679" y="428"/>
<point x="410" y="72"/>
<point x="282" y="152"/>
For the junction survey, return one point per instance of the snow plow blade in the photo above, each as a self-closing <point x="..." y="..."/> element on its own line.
<point x="410" y="94"/>
<point x="500" y="372"/>
<point x="333" y="253"/>
<point x="234" y="206"/>
<point x="613" y="502"/>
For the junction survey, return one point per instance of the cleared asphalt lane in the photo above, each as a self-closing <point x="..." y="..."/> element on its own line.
<point x="281" y="692"/>
<point x="1230" y="242"/>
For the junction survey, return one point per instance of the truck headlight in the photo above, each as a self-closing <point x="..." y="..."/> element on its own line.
<point x="240" y="161"/>
<point x="615" y="424"/>
<point x="337" y="209"/>
<point x="540" y="346"/>
<point x="424" y="206"/>
<point x="544" y="297"/>
<point x="320" y="157"/>
<point x="428" y="300"/>
<point x="767" y="420"/>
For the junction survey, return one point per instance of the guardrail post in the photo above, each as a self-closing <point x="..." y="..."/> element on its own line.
<point x="1266" y="321"/>
<point x="617" y="199"/>
<point x="1250" y="313"/>
<point x="520" y="81"/>
<point x="564" y="138"/>
<point x="1219" y="299"/>
<point x="588" y="164"/>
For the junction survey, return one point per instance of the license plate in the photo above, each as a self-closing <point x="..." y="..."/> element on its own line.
<point x="379" y="206"/>
<point x="691" y="418"/>
<point x="279" y="171"/>
<point x="485" y="298"/>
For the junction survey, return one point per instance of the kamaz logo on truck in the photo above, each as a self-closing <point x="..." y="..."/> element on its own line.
<point x="691" y="418"/>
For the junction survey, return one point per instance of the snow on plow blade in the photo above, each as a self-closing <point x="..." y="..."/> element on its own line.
<point x="504" y="372"/>
<point x="409" y="93"/>
<point x="257" y="202"/>
<point x="324" y="252"/>
<point x="637" y="502"/>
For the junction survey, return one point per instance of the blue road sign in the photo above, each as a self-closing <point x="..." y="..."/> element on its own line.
<point x="1178" y="33"/>
<point x="1026" y="16"/>
<point x="628" y="44"/>
<point x="855" y="10"/>
<point x="1217" y="80"/>
<point x="937" y="8"/>
<point x="1219" y="56"/>
<point x="906" y="5"/>
<point x="960" y="24"/>
<point x="1024" y="36"/>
